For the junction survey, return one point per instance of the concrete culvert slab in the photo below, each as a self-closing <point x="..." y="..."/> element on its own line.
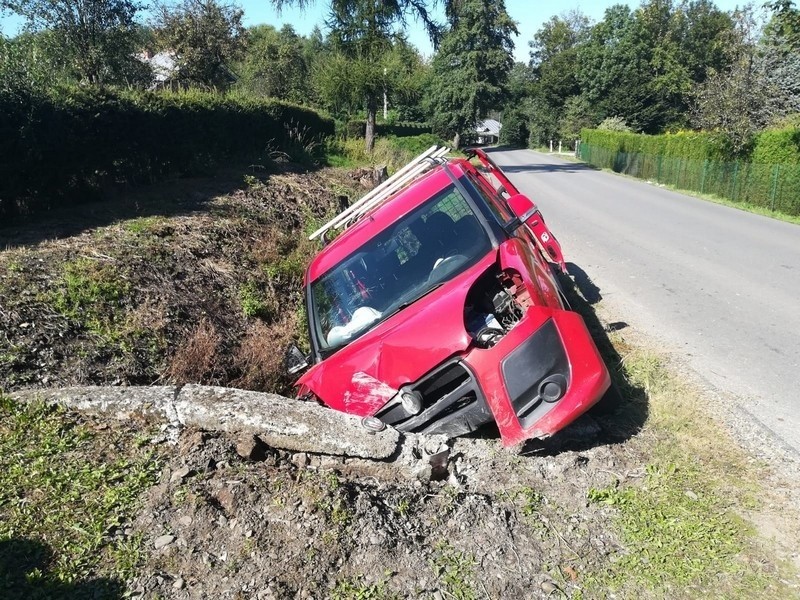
<point x="277" y="421"/>
<point x="281" y="422"/>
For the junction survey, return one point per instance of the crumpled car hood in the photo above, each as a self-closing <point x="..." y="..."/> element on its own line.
<point x="361" y="377"/>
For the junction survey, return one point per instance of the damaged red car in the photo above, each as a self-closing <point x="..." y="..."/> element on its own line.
<point x="437" y="310"/>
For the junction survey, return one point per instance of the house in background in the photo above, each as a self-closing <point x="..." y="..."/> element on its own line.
<point x="487" y="132"/>
<point x="164" y="65"/>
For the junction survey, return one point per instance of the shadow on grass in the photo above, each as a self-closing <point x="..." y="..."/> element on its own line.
<point x="168" y="198"/>
<point x="24" y="576"/>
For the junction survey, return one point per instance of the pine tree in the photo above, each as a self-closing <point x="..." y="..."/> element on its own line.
<point x="471" y="67"/>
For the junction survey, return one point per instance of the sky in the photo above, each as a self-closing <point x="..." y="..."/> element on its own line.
<point x="529" y="15"/>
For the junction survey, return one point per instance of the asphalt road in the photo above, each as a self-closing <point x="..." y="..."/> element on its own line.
<point x="719" y="286"/>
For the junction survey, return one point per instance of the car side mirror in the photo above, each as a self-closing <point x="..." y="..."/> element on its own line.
<point x="294" y="361"/>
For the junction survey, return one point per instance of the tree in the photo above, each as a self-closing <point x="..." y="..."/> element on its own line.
<point x="471" y="67"/>
<point x="741" y="100"/>
<point x="578" y="114"/>
<point x="399" y="10"/>
<point x="205" y="36"/>
<point x="554" y="57"/>
<point x="614" y="73"/>
<point x="348" y="84"/>
<point x="275" y="64"/>
<point x="778" y="56"/>
<point x="97" y="38"/>
<point x="362" y="33"/>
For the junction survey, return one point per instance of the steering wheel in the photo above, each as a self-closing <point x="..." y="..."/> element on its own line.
<point x="446" y="266"/>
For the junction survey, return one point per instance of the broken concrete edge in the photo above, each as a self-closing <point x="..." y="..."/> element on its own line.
<point x="277" y="421"/>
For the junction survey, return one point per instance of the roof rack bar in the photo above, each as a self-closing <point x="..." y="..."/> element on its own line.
<point x="343" y="217"/>
<point x="400" y="183"/>
<point x="390" y="183"/>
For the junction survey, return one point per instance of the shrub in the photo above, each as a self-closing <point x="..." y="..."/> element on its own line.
<point x="614" y="124"/>
<point x="769" y="177"/>
<point x="778" y="147"/>
<point x="515" y="129"/>
<point x="63" y="146"/>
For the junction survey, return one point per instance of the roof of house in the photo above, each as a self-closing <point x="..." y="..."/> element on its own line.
<point x="489" y="126"/>
<point x="164" y="64"/>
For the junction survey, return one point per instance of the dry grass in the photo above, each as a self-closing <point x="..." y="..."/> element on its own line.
<point x="259" y="358"/>
<point x="194" y="360"/>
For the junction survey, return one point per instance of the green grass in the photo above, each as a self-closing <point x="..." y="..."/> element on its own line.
<point x="252" y="300"/>
<point x="92" y="293"/>
<point x="355" y="588"/>
<point x="677" y="529"/>
<point x="65" y="490"/>
<point x="145" y="225"/>
<point x="680" y="524"/>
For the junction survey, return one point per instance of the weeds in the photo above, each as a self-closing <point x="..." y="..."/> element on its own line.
<point x="251" y="298"/>
<point x="455" y="571"/>
<point x="60" y="486"/>
<point x="92" y="293"/>
<point x="355" y="588"/>
<point x="195" y="358"/>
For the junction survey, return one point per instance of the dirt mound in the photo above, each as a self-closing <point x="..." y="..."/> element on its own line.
<point x="310" y="526"/>
<point x="201" y="288"/>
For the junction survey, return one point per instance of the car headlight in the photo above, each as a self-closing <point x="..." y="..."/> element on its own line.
<point x="411" y="401"/>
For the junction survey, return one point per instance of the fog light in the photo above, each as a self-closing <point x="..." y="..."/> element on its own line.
<point x="412" y="403"/>
<point x="553" y="388"/>
<point x="373" y="424"/>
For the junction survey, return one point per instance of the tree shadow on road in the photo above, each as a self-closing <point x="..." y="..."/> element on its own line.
<point x="549" y="168"/>
<point x="564" y="167"/>
<point x="24" y="566"/>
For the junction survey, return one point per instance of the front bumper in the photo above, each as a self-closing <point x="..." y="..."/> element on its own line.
<point x="545" y="343"/>
<point x="508" y="383"/>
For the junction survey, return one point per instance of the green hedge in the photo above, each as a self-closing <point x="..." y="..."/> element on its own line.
<point x="684" y="144"/>
<point x="690" y="161"/>
<point x="357" y="128"/>
<point x="777" y="147"/>
<point x="62" y="147"/>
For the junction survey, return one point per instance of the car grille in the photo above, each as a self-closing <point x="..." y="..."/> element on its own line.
<point x="452" y="404"/>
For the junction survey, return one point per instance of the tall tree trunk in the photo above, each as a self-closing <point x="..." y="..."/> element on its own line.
<point x="369" y="135"/>
<point x="456" y="141"/>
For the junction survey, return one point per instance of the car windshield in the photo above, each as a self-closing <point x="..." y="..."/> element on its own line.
<point x="418" y="253"/>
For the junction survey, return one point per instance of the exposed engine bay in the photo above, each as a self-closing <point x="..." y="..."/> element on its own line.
<point x="495" y="305"/>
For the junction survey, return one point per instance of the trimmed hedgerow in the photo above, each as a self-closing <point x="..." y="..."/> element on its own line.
<point x="63" y="146"/>
<point x="769" y="177"/>
<point x="356" y="128"/>
<point x="778" y="147"/>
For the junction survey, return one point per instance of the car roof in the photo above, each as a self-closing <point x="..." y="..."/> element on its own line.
<point x="383" y="216"/>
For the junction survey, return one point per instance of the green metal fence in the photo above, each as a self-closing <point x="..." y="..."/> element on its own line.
<point x="776" y="187"/>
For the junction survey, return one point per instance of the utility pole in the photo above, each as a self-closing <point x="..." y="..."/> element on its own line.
<point x="385" y="97"/>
